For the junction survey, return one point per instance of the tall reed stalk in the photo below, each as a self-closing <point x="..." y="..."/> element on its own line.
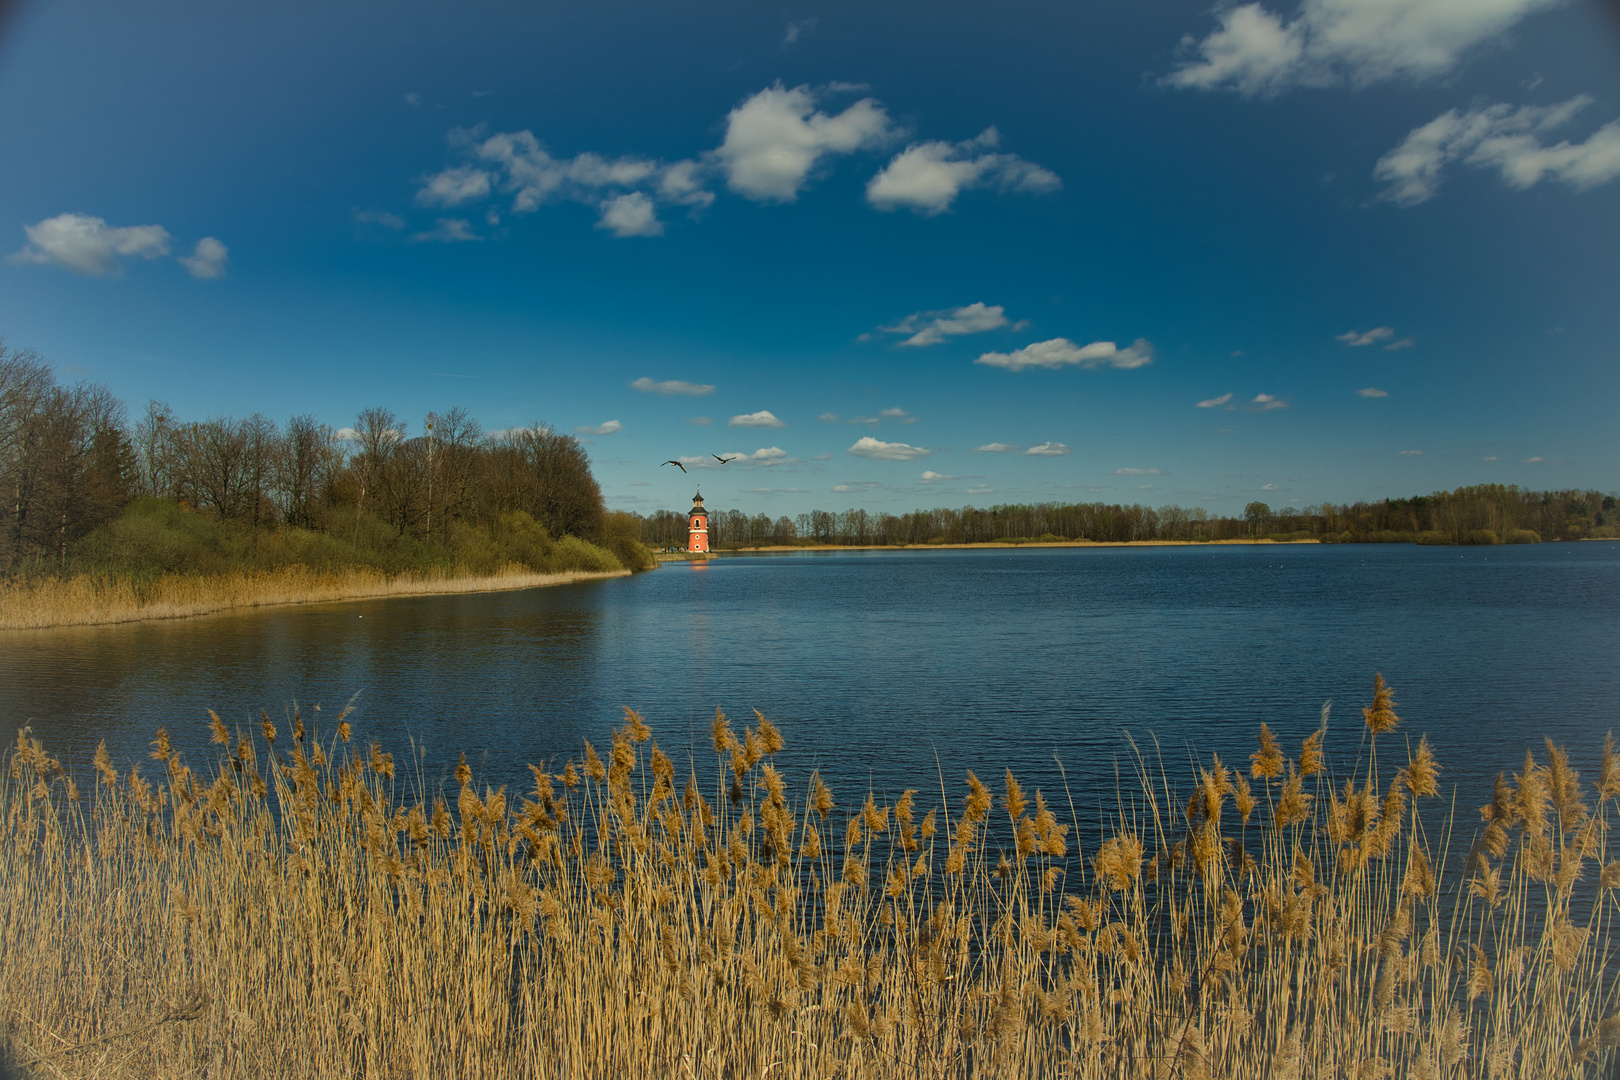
<point x="301" y="911"/>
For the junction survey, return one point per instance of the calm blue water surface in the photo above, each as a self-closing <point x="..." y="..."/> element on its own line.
<point x="892" y="668"/>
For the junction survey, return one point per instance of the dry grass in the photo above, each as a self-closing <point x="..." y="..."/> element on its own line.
<point x="90" y="601"/>
<point x="295" y="914"/>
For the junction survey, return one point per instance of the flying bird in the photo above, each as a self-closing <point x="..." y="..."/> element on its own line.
<point x="677" y="464"/>
<point x="721" y="460"/>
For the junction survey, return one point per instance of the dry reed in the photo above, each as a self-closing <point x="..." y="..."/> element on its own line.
<point x="90" y="601"/>
<point x="295" y="913"/>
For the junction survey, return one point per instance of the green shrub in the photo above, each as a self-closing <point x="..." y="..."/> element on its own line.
<point x="1521" y="536"/>
<point x="1434" y="536"/>
<point x="155" y="536"/>
<point x="572" y="553"/>
<point x="1481" y="536"/>
<point x="621" y="534"/>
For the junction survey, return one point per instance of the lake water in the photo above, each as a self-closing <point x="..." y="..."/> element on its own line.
<point x="888" y="668"/>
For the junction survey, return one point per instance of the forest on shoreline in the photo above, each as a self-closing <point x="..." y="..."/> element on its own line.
<point x="1483" y="514"/>
<point x="89" y="492"/>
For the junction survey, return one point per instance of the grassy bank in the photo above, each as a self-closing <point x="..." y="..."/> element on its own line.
<point x="86" y="600"/>
<point x="162" y="560"/>
<point x="300" y="909"/>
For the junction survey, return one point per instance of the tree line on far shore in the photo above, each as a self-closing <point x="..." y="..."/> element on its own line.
<point x="1484" y="514"/>
<point x="86" y="489"/>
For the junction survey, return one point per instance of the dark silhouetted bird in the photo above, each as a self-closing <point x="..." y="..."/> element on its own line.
<point x="677" y="464"/>
<point x="721" y="460"/>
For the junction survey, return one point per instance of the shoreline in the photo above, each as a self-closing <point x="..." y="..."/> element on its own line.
<point x="778" y="549"/>
<point x="83" y="601"/>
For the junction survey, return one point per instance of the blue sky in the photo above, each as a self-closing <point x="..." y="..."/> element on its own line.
<point x="898" y="255"/>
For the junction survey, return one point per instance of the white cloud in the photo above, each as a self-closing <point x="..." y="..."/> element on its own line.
<point x="933" y="327"/>
<point x="1331" y="42"/>
<point x="1502" y="138"/>
<point x="88" y="245"/>
<point x="796" y="30"/>
<point x="886" y="414"/>
<point x="1410" y="453"/>
<point x="979" y="489"/>
<point x="608" y="428"/>
<point x="1372" y="391"/>
<point x="1267" y="402"/>
<point x="1269" y="487"/>
<point x="828" y="418"/>
<point x="868" y="447"/>
<point x="997" y="448"/>
<point x="1140" y="472"/>
<point x="1357" y="338"/>
<point x="346" y="434"/>
<point x="763" y="418"/>
<point x="1530" y="460"/>
<point x="630" y="215"/>
<point x="1061" y="352"/>
<point x="774" y="144"/>
<point x="452" y="187"/>
<point x="413" y="99"/>
<point x="207" y="259"/>
<point x="379" y="217"/>
<point x="775" y="138"/>
<point x="671" y="386"/>
<point x="701" y="421"/>
<point x="1404" y="343"/>
<point x="533" y="176"/>
<point x="682" y="183"/>
<point x="1215" y="402"/>
<point x="1493" y="457"/>
<point x="929" y="476"/>
<point x="926" y="177"/>
<point x="764" y="456"/>
<point x="448" y="231"/>
<point x="1047" y="449"/>
<point x="516" y="163"/>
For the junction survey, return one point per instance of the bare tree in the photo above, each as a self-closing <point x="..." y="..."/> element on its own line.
<point x="155" y="450"/>
<point x="302" y="466"/>
<point x="377" y="431"/>
<point x="547" y="475"/>
<point x="215" y="465"/>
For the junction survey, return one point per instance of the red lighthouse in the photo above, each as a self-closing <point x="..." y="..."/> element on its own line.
<point x="698" y="538"/>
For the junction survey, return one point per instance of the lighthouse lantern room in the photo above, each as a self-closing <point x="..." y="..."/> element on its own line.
<point x="698" y="539"/>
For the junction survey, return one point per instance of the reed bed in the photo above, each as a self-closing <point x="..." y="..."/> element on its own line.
<point x="92" y="600"/>
<point x="302" y="911"/>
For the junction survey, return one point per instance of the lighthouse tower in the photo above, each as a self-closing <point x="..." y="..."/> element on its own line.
<point x="698" y="538"/>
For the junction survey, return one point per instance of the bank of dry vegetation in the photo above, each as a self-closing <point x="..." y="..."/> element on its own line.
<point x="301" y="908"/>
